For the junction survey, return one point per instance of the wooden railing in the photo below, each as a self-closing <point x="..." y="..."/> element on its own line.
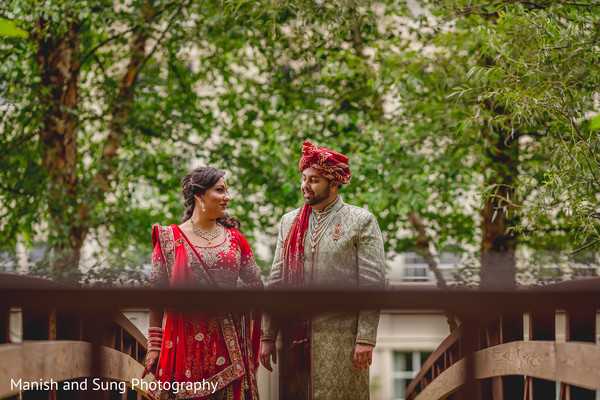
<point x="519" y="354"/>
<point x="82" y="352"/>
<point x="77" y="330"/>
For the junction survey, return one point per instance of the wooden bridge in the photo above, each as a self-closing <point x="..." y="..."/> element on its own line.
<point x="535" y="352"/>
<point x="507" y="346"/>
<point x="62" y="350"/>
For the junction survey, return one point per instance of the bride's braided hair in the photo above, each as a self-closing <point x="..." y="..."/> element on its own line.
<point x="197" y="182"/>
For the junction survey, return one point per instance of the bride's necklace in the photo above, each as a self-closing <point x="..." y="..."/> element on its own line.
<point x="208" y="235"/>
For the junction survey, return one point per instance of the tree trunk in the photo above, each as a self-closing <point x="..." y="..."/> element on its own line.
<point x="121" y="110"/>
<point x="70" y="214"/>
<point x="498" y="243"/>
<point x="58" y="63"/>
<point x="422" y="241"/>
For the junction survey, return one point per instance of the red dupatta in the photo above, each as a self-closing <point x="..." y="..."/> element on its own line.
<point x="181" y="362"/>
<point x="293" y="277"/>
<point x="293" y="249"/>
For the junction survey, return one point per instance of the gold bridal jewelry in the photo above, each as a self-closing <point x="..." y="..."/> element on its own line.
<point x="208" y="235"/>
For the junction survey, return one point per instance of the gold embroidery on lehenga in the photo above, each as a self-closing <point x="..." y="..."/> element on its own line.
<point x="212" y="255"/>
<point x="201" y="276"/>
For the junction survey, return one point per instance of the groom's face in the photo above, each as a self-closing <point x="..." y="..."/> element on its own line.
<point x="315" y="187"/>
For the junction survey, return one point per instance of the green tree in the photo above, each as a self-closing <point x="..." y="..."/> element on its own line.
<point x="460" y="137"/>
<point x="329" y="73"/>
<point x="94" y="126"/>
<point x="433" y="110"/>
<point x="537" y="70"/>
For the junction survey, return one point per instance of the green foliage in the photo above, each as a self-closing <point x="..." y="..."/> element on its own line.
<point x="160" y="137"/>
<point x="10" y="29"/>
<point x="417" y="98"/>
<point x="536" y="64"/>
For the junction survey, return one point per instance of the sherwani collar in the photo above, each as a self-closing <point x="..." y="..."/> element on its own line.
<point x="336" y="205"/>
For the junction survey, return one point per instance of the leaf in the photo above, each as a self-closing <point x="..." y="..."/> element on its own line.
<point x="489" y="188"/>
<point x="9" y="29"/>
<point x="595" y="124"/>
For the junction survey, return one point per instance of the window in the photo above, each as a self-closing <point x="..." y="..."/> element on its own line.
<point x="407" y="365"/>
<point x="415" y="274"/>
<point x="415" y="268"/>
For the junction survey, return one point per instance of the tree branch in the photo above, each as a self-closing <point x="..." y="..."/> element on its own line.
<point x="537" y="134"/>
<point x="567" y="46"/>
<point x="161" y="37"/>
<point x="589" y="150"/>
<point x="473" y="8"/>
<point x="116" y="36"/>
<point x="19" y="192"/>
<point x="19" y="141"/>
<point x="122" y="106"/>
<point x="110" y="39"/>
<point x="586" y="246"/>
<point x="571" y="3"/>
<point x="422" y="241"/>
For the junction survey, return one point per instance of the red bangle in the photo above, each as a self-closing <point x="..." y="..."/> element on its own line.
<point x="155" y="336"/>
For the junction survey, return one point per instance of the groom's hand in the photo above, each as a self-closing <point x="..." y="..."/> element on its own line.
<point x="363" y="356"/>
<point x="268" y="351"/>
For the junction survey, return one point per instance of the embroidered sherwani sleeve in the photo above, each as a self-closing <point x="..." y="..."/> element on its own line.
<point x="371" y="275"/>
<point x="269" y="328"/>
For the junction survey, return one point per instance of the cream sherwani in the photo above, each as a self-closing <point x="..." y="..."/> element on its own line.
<point x="348" y="255"/>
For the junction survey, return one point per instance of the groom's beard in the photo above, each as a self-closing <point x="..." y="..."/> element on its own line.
<point x="318" y="198"/>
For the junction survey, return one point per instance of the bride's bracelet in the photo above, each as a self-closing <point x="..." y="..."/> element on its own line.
<point x="155" y="336"/>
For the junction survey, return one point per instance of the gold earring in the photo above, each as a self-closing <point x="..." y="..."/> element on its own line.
<point x="202" y="205"/>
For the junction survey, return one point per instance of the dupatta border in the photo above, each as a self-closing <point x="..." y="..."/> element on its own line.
<point x="166" y="242"/>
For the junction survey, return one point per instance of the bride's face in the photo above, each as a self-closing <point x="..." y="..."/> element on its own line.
<point x="215" y="199"/>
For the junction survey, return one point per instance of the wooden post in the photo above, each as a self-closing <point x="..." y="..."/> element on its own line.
<point x="492" y="388"/>
<point x="470" y="344"/>
<point x="511" y="330"/>
<point x="4" y="324"/>
<point x="39" y="324"/>
<point x="542" y="327"/>
<point x="581" y="327"/>
<point x="94" y="328"/>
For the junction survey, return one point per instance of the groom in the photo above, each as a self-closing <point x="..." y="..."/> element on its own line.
<point x="325" y="244"/>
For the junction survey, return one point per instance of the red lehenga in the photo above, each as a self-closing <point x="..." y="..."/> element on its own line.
<point x="200" y="347"/>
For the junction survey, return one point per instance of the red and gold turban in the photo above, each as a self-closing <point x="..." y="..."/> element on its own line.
<point x="326" y="162"/>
